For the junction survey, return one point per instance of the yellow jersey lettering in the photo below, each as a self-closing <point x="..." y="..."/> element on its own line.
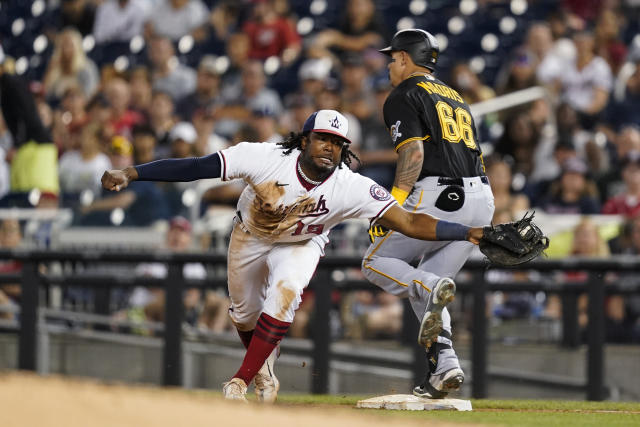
<point x="425" y="86"/>
<point x="457" y="95"/>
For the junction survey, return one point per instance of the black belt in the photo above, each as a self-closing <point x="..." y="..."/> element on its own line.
<point x="443" y="180"/>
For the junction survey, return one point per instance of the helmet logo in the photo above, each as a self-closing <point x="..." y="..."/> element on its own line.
<point x="395" y="132"/>
<point x="335" y="123"/>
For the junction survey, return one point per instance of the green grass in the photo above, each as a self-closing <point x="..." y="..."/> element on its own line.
<point x="500" y="412"/>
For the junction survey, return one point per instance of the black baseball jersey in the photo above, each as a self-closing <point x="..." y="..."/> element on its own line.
<point x="422" y="108"/>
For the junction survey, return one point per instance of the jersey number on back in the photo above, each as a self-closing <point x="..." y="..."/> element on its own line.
<point x="456" y="125"/>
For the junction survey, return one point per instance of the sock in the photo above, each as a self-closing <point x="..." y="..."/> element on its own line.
<point x="245" y="337"/>
<point x="266" y="336"/>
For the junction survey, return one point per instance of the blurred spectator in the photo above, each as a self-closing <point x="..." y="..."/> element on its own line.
<point x="45" y="112"/>
<point x="207" y="90"/>
<point x="501" y="181"/>
<point x="182" y="137"/>
<point x="587" y="242"/>
<point x="148" y="304"/>
<point x="10" y="238"/>
<point x="70" y="66"/>
<point x="626" y="142"/>
<point x="517" y="74"/>
<point x="367" y="315"/>
<point x="208" y="141"/>
<point x="299" y="106"/>
<point x="129" y="207"/>
<point x="254" y="95"/>
<point x="582" y="11"/>
<point x="237" y="48"/>
<point x="586" y="83"/>
<point x="140" y="88"/>
<point x="519" y="141"/>
<point x="266" y="123"/>
<point x="329" y="99"/>
<point x="624" y="107"/>
<point x="354" y="76"/>
<point x="167" y="73"/>
<point x="539" y="41"/>
<point x="69" y="118"/>
<point x="122" y="118"/>
<point x="628" y="241"/>
<point x="608" y="41"/>
<point x="120" y="152"/>
<point x="98" y="109"/>
<point x="176" y="18"/>
<point x="377" y="155"/>
<point x="552" y="46"/>
<point x="78" y="14"/>
<point x="81" y="170"/>
<point x="144" y="144"/>
<point x="118" y="21"/>
<point x="361" y="27"/>
<point x="313" y="75"/>
<point x="224" y="18"/>
<point x="469" y="85"/>
<point x="628" y="202"/>
<point x="271" y="34"/>
<point x="161" y="120"/>
<point x="574" y="192"/>
<point x="35" y="162"/>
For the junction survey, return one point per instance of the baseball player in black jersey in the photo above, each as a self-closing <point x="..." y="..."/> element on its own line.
<point x="440" y="172"/>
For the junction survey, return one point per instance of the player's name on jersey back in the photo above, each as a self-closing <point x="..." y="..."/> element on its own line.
<point x="441" y="90"/>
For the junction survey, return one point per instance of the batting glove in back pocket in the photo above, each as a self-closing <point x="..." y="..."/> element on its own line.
<point x="451" y="198"/>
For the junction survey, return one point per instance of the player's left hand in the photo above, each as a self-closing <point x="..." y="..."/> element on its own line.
<point x="377" y="231"/>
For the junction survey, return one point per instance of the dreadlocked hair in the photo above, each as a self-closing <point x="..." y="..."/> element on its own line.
<point x="295" y="141"/>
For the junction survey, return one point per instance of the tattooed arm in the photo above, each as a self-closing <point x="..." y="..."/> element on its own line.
<point x="408" y="168"/>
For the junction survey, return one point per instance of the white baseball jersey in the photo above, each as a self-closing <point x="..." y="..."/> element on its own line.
<point x="284" y="227"/>
<point x="277" y="207"/>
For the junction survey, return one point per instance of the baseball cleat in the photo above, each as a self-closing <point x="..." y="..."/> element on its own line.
<point x="267" y="384"/>
<point x="431" y="325"/>
<point x="236" y="389"/>
<point x="439" y="386"/>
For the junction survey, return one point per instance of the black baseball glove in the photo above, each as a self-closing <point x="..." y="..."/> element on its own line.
<point x="513" y="243"/>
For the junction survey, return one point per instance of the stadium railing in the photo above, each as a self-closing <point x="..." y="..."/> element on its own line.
<point x="33" y="279"/>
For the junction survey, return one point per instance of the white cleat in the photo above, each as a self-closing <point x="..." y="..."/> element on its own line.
<point x="236" y="389"/>
<point x="267" y="384"/>
<point x="431" y="325"/>
<point x="438" y="386"/>
<point x="447" y="381"/>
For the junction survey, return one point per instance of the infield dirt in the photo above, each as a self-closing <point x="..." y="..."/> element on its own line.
<point x="31" y="400"/>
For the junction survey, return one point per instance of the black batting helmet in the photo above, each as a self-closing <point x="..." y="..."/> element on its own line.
<point x="421" y="46"/>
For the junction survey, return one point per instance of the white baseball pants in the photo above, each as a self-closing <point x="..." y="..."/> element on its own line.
<point x="267" y="277"/>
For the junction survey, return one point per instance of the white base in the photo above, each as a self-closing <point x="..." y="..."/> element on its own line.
<point x="409" y="402"/>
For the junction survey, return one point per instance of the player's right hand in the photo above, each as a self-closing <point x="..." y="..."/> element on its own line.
<point x="115" y="180"/>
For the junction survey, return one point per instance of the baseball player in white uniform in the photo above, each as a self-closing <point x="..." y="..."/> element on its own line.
<point x="297" y="190"/>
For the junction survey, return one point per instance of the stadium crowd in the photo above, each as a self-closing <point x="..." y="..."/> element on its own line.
<point x="110" y="83"/>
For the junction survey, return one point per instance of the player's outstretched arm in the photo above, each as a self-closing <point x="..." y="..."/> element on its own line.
<point x="168" y="170"/>
<point x="425" y="227"/>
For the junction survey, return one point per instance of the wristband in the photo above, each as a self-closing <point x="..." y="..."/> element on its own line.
<point x="446" y="230"/>
<point x="399" y="195"/>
